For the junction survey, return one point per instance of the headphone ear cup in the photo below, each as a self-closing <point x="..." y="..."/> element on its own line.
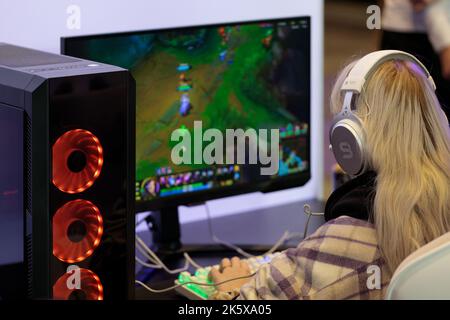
<point x="347" y="141"/>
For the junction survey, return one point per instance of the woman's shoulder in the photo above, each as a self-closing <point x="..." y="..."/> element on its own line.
<point x="342" y="237"/>
<point x="350" y="221"/>
<point x="345" y="228"/>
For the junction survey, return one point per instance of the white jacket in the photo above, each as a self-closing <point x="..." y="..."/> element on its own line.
<point x="399" y="16"/>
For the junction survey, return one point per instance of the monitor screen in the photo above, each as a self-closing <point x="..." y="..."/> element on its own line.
<point x="249" y="76"/>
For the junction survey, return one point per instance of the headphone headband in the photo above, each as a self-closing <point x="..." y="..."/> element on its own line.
<point x="364" y="68"/>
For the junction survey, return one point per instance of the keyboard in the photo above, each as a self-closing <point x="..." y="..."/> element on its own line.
<point x="199" y="292"/>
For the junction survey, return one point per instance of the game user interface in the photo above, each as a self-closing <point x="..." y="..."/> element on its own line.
<point x="249" y="75"/>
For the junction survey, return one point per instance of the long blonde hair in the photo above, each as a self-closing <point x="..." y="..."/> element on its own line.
<point x="408" y="146"/>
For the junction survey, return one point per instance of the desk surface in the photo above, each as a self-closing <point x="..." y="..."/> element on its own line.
<point x="261" y="227"/>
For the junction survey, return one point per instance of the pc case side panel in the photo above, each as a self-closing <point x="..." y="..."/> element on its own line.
<point x="12" y="84"/>
<point x="37" y="152"/>
<point x="12" y="266"/>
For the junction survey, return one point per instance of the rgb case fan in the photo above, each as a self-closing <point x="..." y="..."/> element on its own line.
<point x="77" y="230"/>
<point x="77" y="161"/>
<point x="90" y="287"/>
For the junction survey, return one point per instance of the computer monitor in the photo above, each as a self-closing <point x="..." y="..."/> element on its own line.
<point x="250" y="75"/>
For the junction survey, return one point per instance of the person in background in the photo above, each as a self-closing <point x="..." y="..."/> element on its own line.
<point x="398" y="206"/>
<point x="421" y="27"/>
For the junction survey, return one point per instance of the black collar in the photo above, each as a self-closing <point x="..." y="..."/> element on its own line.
<point x="354" y="198"/>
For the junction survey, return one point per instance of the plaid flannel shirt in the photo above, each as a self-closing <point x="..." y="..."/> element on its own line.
<point x="341" y="260"/>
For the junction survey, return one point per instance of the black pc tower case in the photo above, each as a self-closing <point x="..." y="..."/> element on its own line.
<point x="66" y="177"/>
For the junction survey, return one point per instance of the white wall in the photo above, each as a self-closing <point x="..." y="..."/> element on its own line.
<point x="40" y="23"/>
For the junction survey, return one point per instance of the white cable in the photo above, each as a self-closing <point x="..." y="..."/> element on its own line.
<point x="309" y="213"/>
<point x="145" y="254"/>
<point x="190" y="282"/>
<point x="148" y="265"/>
<point x="159" y="262"/>
<point x="236" y="248"/>
<point x="191" y="261"/>
<point x="314" y="214"/>
<point x="294" y="235"/>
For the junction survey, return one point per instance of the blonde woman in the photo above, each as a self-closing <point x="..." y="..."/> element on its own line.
<point x="401" y="203"/>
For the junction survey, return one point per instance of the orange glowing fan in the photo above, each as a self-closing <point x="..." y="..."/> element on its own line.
<point x="77" y="231"/>
<point x="90" y="286"/>
<point x="77" y="161"/>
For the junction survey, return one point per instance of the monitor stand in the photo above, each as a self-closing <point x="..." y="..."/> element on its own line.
<point x="165" y="227"/>
<point x="166" y="237"/>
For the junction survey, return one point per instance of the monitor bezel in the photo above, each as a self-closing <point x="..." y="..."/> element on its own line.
<point x="198" y="197"/>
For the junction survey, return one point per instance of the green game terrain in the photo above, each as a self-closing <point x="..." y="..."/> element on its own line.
<point x="224" y="95"/>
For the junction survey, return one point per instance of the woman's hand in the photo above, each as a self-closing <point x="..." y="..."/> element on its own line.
<point x="230" y="269"/>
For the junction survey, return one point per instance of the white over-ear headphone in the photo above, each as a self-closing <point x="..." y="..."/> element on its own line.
<point x="346" y="132"/>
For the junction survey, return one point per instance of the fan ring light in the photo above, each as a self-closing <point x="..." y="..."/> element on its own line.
<point x="77" y="161"/>
<point x="90" y="287"/>
<point x="77" y="231"/>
